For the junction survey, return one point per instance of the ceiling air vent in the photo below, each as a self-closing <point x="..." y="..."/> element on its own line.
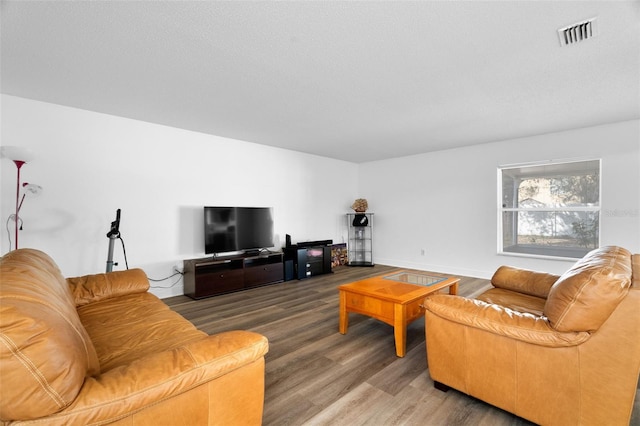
<point x="578" y="32"/>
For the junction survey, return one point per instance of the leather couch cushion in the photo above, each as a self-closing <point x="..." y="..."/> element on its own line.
<point x="585" y="296"/>
<point x="138" y="325"/>
<point x="519" y="302"/>
<point x="94" y="288"/>
<point x="524" y="281"/>
<point x="635" y="271"/>
<point x="45" y="352"/>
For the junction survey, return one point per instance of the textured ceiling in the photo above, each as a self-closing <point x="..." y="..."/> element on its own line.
<point x="358" y="81"/>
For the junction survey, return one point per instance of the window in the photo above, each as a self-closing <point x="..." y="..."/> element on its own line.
<point x="550" y="209"/>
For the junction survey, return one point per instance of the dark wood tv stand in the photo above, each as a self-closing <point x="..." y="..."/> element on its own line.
<point x="211" y="276"/>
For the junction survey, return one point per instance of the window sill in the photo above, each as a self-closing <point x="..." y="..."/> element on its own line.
<point x="552" y="253"/>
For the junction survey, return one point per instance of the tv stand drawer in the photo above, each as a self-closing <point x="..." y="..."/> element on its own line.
<point x="263" y="274"/>
<point x="218" y="282"/>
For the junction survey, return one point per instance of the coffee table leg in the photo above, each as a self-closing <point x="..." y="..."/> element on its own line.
<point x="400" y="329"/>
<point x="344" y="316"/>
<point x="453" y="289"/>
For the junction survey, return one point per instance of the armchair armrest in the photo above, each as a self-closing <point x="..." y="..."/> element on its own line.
<point x="93" y="288"/>
<point x="501" y="321"/>
<point x="131" y="388"/>
<point x="524" y="281"/>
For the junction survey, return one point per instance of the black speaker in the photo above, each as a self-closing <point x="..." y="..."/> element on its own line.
<point x="288" y="270"/>
<point x="326" y="264"/>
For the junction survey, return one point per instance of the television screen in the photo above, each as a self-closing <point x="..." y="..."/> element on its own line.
<point x="237" y="228"/>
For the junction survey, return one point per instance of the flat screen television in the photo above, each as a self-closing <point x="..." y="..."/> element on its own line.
<point x="228" y="229"/>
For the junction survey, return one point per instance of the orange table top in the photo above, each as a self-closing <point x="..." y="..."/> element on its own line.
<point x="399" y="287"/>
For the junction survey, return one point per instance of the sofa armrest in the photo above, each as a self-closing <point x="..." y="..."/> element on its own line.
<point x="128" y="389"/>
<point x="502" y="321"/>
<point x="93" y="288"/>
<point x="524" y="281"/>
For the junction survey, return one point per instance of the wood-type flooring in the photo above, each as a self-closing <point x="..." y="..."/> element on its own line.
<point x="316" y="376"/>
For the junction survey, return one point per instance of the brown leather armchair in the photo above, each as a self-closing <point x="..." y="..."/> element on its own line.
<point x="101" y="349"/>
<point x="556" y="350"/>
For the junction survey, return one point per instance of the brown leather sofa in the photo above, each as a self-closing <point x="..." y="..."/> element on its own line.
<point x="101" y="349"/>
<point x="556" y="350"/>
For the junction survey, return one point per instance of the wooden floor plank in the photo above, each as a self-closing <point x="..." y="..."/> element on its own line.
<point x="398" y="376"/>
<point x="353" y="408"/>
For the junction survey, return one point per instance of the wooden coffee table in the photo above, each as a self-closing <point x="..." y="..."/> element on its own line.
<point x="395" y="299"/>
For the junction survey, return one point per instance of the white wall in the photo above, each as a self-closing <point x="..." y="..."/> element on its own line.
<point x="91" y="164"/>
<point x="446" y="203"/>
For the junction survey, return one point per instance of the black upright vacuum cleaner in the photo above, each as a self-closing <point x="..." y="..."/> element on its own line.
<point x="113" y="235"/>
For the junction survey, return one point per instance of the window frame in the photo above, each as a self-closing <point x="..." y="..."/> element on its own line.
<point x="571" y="253"/>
